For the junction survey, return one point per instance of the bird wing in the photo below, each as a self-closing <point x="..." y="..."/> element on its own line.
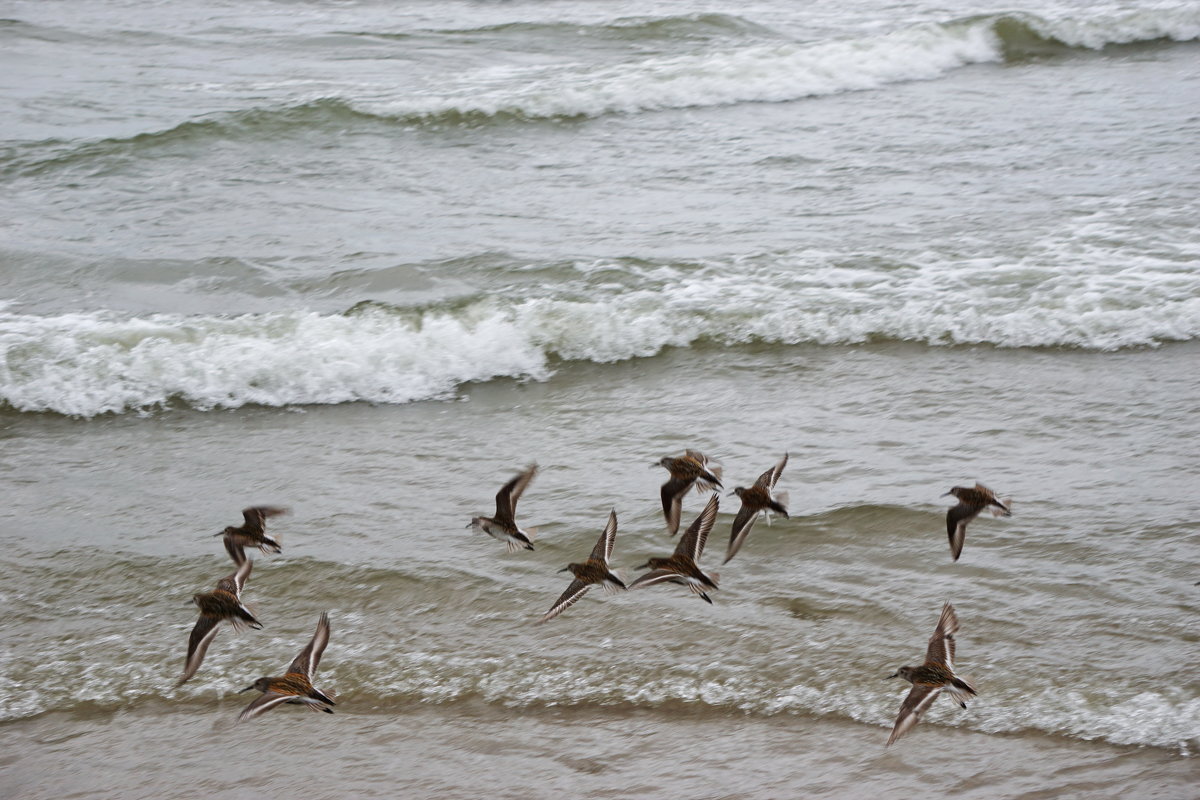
<point x="941" y="643"/>
<point x="235" y="582"/>
<point x="235" y="549"/>
<point x="654" y="576"/>
<point x="742" y="524"/>
<point x="575" y="590"/>
<point x="608" y="537"/>
<point x="956" y="526"/>
<point x="202" y="635"/>
<point x="769" y="478"/>
<point x="691" y="544"/>
<point x="510" y="493"/>
<point x="256" y="516"/>
<point x="310" y="656"/>
<point x="263" y="703"/>
<point x="672" y="501"/>
<point x="915" y="704"/>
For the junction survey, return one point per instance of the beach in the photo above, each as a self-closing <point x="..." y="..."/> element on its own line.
<point x="368" y="263"/>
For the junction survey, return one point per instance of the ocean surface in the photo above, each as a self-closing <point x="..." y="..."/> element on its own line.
<point x="368" y="260"/>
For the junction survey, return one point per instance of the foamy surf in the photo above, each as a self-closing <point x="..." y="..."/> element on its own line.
<point x="778" y="71"/>
<point x="94" y="363"/>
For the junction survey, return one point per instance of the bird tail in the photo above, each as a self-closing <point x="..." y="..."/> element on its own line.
<point x="779" y="504"/>
<point x="706" y="483"/>
<point x="961" y="690"/>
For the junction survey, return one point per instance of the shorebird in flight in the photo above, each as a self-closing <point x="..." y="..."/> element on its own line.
<point x="595" y="570"/>
<point x="931" y="678"/>
<point x="687" y="471"/>
<point x="223" y="604"/>
<point x="296" y="685"/>
<point x="755" y="500"/>
<point x="681" y="566"/>
<point x="971" y="501"/>
<point x="503" y="526"/>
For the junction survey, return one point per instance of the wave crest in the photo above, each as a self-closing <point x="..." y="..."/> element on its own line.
<point x="93" y="363"/>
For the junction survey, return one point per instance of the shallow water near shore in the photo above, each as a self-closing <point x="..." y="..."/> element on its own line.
<point x="368" y="262"/>
<point x="1077" y="612"/>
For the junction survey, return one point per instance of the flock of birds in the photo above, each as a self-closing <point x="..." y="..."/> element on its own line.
<point x="690" y="472"/>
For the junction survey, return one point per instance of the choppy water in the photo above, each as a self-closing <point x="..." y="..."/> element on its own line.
<point x="367" y="261"/>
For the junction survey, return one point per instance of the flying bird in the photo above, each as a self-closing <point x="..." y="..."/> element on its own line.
<point x="688" y="471"/>
<point x="224" y="604"/>
<point x="971" y="501"/>
<point x="595" y="570"/>
<point x="931" y="678"/>
<point x="252" y="533"/>
<point x="681" y="566"/>
<point x="503" y="526"/>
<point x="755" y="500"/>
<point x="296" y="685"/>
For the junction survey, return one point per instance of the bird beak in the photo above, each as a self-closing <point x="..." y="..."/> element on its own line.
<point x="470" y="524"/>
<point x="644" y="566"/>
<point x="947" y="494"/>
<point x="248" y="688"/>
<point x="564" y="569"/>
<point x="893" y="675"/>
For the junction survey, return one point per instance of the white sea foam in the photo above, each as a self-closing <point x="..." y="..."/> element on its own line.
<point x="775" y="71"/>
<point x="94" y="363"/>
<point x="1118" y="715"/>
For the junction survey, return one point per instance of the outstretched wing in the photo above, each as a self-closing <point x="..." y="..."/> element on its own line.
<point x="692" y="543"/>
<point x="654" y="576"/>
<point x="576" y="590"/>
<point x="956" y="526"/>
<point x="310" y="656"/>
<point x="235" y="582"/>
<point x="263" y="703"/>
<point x="235" y="549"/>
<point x="202" y="635"/>
<point x="941" y="643"/>
<point x="510" y="493"/>
<point x="742" y="523"/>
<point x="914" y="706"/>
<point x="771" y="477"/>
<point x="256" y="516"/>
<point x="608" y="537"/>
<point x="672" y="501"/>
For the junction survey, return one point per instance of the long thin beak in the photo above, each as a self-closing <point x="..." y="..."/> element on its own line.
<point x="893" y="675"/>
<point x="564" y="569"/>
<point x="470" y="524"/>
<point x="644" y="566"/>
<point x="248" y="688"/>
<point x="947" y="494"/>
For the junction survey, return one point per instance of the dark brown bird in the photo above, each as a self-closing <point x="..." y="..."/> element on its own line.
<point x="681" y="566"/>
<point x="971" y="501"/>
<point x="688" y="471"/>
<point x="252" y="533"/>
<point x="595" y="570"/>
<point x="930" y="678"/>
<point x="296" y="686"/>
<point x="222" y="604"/>
<point x="503" y="526"/>
<point x="757" y="499"/>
